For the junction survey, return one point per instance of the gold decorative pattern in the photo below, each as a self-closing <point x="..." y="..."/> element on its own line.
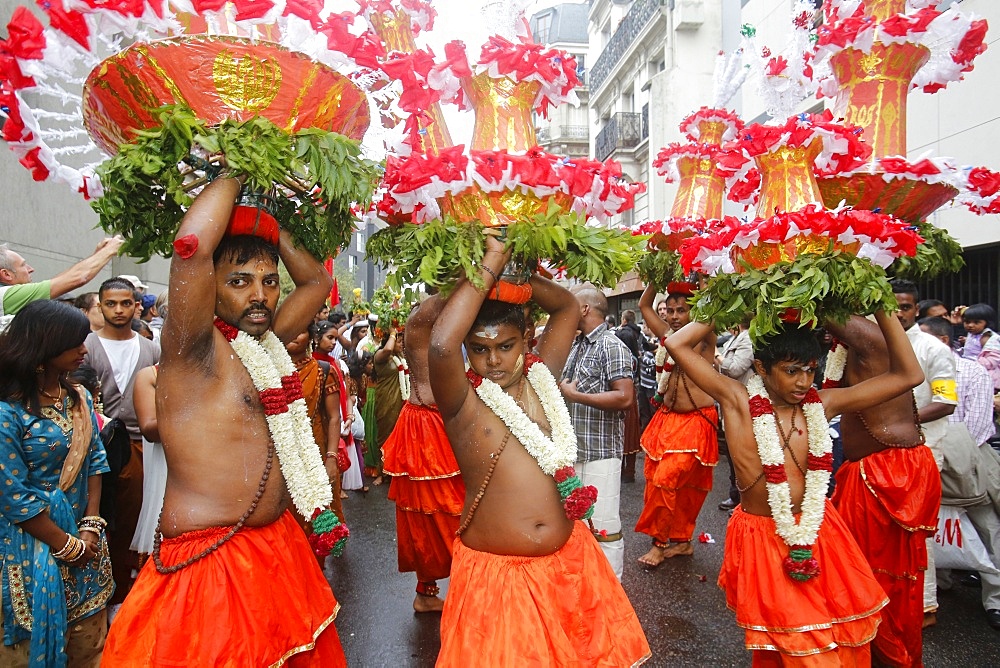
<point x="304" y="90"/>
<point x="246" y="83"/>
<point x="19" y="597"/>
<point x="503" y="113"/>
<point x="143" y="49"/>
<point x="787" y="182"/>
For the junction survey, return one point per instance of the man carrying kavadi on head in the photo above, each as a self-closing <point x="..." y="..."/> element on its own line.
<point x="233" y="581"/>
<point x="793" y="574"/>
<point x="681" y="441"/>
<point x="529" y="584"/>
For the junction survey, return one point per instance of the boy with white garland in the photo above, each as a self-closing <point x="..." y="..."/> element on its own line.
<point x="529" y="583"/>
<point x="792" y="572"/>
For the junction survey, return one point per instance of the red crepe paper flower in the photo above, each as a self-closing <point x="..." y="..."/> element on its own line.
<point x="971" y="45"/>
<point x="305" y="9"/>
<point x="186" y="246"/>
<point x="72" y="24"/>
<point x="251" y="9"/>
<point x="984" y="181"/>
<point x="31" y="160"/>
<point x="25" y="38"/>
<point x="775" y="66"/>
<point x="812" y="396"/>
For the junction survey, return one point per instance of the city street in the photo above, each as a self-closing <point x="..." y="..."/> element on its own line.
<point x="682" y="610"/>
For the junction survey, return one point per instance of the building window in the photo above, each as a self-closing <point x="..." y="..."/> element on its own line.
<point x="360" y="243"/>
<point x="543" y="27"/>
<point x="352" y="263"/>
<point x="581" y="68"/>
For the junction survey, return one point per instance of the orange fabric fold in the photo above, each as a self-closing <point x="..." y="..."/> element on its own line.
<point x="672" y="433"/>
<point x="563" y="609"/>
<point x="838" y="608"/>
<point x="889" y="501"/>
<point x="427" y="491"/>
<point x="681" y="449"/>
<point x="418" y="446"/>
<point x="231" y="608"/>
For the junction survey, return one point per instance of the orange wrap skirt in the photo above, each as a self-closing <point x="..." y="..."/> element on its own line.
<point x="681" y="449"/>
<point x="889" y="500"/>
<point x="259" y="600"/>
<point x="427" y="489"/>
<point x="839" y="608"/>
<point x="563" y="609"/>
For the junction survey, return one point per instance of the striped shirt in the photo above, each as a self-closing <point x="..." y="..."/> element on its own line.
<point x="595" y="362"/>
<point x="975" y="399"/>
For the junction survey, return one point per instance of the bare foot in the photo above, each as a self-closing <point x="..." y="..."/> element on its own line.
<point x="343" y="495"/>
<point x="427" y="604"/>
<point x="684" y="549"/>
<point x="653" y="558"/>
<point x="377" y="481"/>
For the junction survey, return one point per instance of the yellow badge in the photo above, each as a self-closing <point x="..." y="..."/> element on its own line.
<point x="944" y="389"/>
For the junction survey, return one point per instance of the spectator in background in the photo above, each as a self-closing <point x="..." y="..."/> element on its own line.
<point x="90" y="304"/>
<point x="931" y="308"/>
<point x="17" y="290"/>
<point x="975" y="412"/>
<point x="139" y="286"/>
<point x="159" y="313"/>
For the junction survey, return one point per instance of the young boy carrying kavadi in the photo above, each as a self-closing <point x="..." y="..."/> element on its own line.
<point x="529" y="584"/>
<point x="793" y="574"/>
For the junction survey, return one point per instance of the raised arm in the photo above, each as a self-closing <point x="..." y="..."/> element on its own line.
<point x="904" y="374"/>
<point x="85" y="270"/>
<point x="865" y="340"/>
<point x="444" y="359"/>
<point x="187" y="333"/>
<point x="683" y="345"/>
<point x="144" y="398"/>
<point x="383" y="354"/>
<point x="649" y="314"/>
<point x="564" y="320"/>
<point x="312" y="286"/>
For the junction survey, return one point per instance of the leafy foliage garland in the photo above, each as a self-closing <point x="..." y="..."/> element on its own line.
<point x="939" y="254"/>
<point x="318" y="175"/>
<point x="440" y="252"/>
<point x="660" y="268"/>
<point x="832" y="286"/>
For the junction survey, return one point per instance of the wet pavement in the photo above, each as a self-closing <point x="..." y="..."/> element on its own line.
<point x="682" y="610"/>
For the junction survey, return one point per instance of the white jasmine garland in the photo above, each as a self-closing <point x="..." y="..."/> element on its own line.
<point x="267" y="362"/>
<point x="553" y="453"/>
<point x="403" y="369"/>
<point x="779" y="496"/>
<point x="836" y="362"/>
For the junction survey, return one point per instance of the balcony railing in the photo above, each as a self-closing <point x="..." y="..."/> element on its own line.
<point x="624" y="130"/>
<point x="638" y="16"/>
<point x="550" y="133"/>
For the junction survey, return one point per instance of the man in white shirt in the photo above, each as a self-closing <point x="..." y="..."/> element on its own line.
<point x="116" y="353"/>
<point x="936" y="399"/>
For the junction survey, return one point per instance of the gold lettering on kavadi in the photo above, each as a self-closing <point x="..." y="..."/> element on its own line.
<point x="246" y="83"/>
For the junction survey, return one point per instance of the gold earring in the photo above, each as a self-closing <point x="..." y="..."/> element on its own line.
<point x="40" y="368"/>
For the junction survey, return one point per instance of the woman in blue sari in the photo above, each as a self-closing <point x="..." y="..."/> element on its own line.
<point x="55" y="575"/>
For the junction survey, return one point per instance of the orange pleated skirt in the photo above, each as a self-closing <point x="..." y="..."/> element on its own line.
<point x="889" y="501"/>
<point x="563" y="609"/>
<point x="259" y="600"/>
<point x="838" y="608"/>
<point x="681" y="449"/>
<point x="428" y="491"/>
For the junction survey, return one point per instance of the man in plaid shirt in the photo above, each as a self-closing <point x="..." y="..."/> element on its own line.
<point x="598" y="387"/>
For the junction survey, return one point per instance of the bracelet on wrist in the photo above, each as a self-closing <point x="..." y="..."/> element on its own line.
<point x="496" y="279"/>
<point x="72" y="550"/>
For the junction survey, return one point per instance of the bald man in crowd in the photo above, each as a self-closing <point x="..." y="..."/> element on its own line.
<point x="597" y="383"/>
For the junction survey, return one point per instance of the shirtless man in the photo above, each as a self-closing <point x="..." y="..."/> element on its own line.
<point x="837" y="606"/>
<point x="681" y="441"/>
<point x="219" y="453"/>
<point x="525" y="580"/>
<point x="426" y="485"/>
<point x="888" y="493"/>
